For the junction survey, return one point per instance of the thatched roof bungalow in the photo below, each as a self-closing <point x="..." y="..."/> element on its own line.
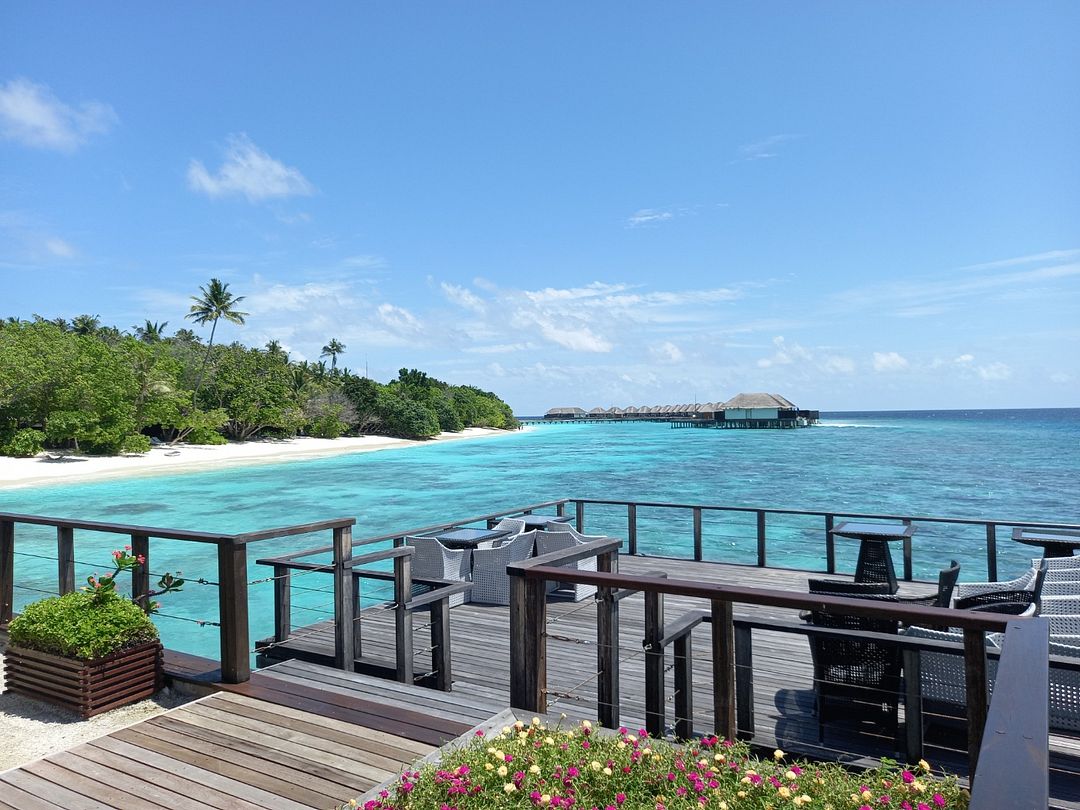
<point x="565" y="413"/>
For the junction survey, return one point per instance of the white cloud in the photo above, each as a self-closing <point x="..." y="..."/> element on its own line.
<point x="311" y="297"/>
<point x="58" y="247"/>
<point x="33" y="116"/>
<point x="785" y="354"/>
<point x="399" y="320"/>
<point x="1046" y="256"/>
<point x="765" y="148"/>
<point x="889" y="361"/>
<point x="365" y="261"/>
<point x="648" y="216"/>
<point x="835" y="364"/>
<point x="248" y="171"/>
<point x="994" y="372"/>
<point x="964" y="359"/>
<point x="668" y="352"/>
<point x="1060" y="377"/>
<point x="578" y="338"/>
<point x="462" y="297"/>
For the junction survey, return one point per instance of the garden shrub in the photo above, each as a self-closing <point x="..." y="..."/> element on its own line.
<point x="205" y="435"/>
<point x="81" y="625"/>
<point x="24" y="443"/>
<point x="135" y="443"/>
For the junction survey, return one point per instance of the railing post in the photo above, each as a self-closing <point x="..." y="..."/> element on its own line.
<point x="683" y="651"/>
<point x="440" y="644"/>
<point x="528" y="643"/>
<point x="140" y="574"/>
<point x="977" y="702"/>
<point x="744" y="682"/>
<point x="655" y="703"/>
<point x="907" y="555"/>
<point x="233" y="612"/>
<point x="698" y="553"/>
<point x="607" y="645"/>
<point x="761" y="553"/>
<point x="830" y="545"/>
<point x="7" y="570"/>
<point x="403" y="623"/>
<point x="344" y="601"/>
<point x="560" y="509"/>
<point x="723" y="649"/>
<point x="65" y="559"/>
<point x="913" y="721"/>
<point x="991" y="552"/>
<point x="282" y="602"/>
<point x="579" y="517"/>
<point x="631" y="528"/>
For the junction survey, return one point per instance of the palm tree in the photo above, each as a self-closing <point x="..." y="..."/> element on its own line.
<point x="216" y="302"/>
<point x="151" y="331"/>
<point x="85" y="324"/>
<point x="332" y="350"/>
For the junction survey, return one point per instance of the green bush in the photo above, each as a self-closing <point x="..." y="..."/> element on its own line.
<point x="23" y="443"/>
<point x="135" y="443"/>
<point x="205" y="435"/>
<point x="81" y="625"/>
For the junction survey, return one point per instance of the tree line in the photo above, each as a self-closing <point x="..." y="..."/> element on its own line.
<point x="93" y="388"/>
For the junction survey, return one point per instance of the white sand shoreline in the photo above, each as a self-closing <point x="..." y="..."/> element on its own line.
<point x="164" y="460"/>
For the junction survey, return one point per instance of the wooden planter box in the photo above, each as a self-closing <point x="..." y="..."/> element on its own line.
<point x="86" y="687"/>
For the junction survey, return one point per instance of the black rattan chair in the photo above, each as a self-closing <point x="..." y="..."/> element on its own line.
<point x="946" y="582"/>
<point x="1009" y="597"/>
<point x="860" y="673"/>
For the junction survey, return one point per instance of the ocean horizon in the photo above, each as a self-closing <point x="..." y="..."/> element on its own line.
<point x="1018" y="464"/>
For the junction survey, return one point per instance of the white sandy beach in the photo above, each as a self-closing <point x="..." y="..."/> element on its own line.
<point x="16" y="472"/>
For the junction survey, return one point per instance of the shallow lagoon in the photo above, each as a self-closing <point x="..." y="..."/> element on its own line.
<point x="1020" y="465"/>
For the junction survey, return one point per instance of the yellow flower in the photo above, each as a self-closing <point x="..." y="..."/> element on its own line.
<point x="491" y="750"/>
<point x="723" y="805"/>
<point x="919" y="786"/>
<point x="622" y="744"/>
<point x="595" y="765"/>
<point x="778" y="754"/>
<point x="509" y="787"/>
<point x="607" y="771"/>
<point x="646" y="751"/>
<point x="790" y="776"/>
<point x="631" y="738"/>
<point x="924" y="765"/>
<point x="742" y="794"/>
<point x="534" y="769"/>
<point x="784" y="791"/>
<point x="536" y="721"/>
<point x="519" y="726"/>
<point x="488" y="766"/>
<point x="718" y="757"/>
<point x="549" y="740"/>
<point x="545" y="799"/>
<point x="586" y="724"/>
<point x="502" y="770"/>
<point x="867" y="795"/>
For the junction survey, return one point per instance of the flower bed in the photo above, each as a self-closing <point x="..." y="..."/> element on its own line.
<point x="531" y="765"/>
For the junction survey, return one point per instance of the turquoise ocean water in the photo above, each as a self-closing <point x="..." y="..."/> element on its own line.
<point x="1019" y="465"/>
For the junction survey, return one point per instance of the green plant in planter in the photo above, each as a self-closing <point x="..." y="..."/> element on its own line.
<point x="82" y="625"/>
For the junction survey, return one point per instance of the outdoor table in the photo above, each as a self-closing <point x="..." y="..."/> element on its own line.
<point x="540" y="521"/>
<point x="1054" y="542"/>
<point x="467" y="538"/>
<point x="875" y="562"/>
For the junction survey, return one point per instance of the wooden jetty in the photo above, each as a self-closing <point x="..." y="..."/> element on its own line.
<point x="677" y="646"/>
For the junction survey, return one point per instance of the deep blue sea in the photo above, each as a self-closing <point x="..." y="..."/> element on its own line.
<point x="1021" y="465"/>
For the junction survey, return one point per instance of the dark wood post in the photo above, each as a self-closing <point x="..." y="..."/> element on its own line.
<point x="698" y="553"/>
<point x="830" y="546"/>
<point x="282" y="602"/>
<point x="913" y="722"/>
<point x="140" y="574"/>
<point x="683" y="651"/>
<point x="761" y="552"/>
<point x="403" y="623"/>
<point x="528" y="643"/>
<point x="560" y="509"/>
<point x="744" y="682"/>
<point x="654" y="664"/>
<point x="65" y="559"/>
<point x="579" y="518"/>
<point x="440" y="644"/>
<point x="631" y="528"/>
<point x="344" y="600"/>
<point x="233" y="612"/>
<point x="607" y="645"/>
<point x="977" y="701"/>
<point x="723" y="649"/>
<point x="991" y="552"/>
<point x="7" y="570"/>
<point x="907" y="555"/>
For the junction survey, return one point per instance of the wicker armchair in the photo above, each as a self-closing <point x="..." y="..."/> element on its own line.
<point x="946" y="583"/>
<point x="1027" y="594"/>
<point x="1061" y="587"/>
<point x="1058" y="567"/>
<point x="1058" y="605"/>
<point x="560" y="540"/>
<point x="1063" y="624"/>
<point x="941" y="675"/>
<point x="866" y="673"/>
<point x="1023" y="582"/>
<point x="514" y="525"/>
<point x="491" y="583"/>
<point x="432" y="560"/>
<point x="1064" y="689"/>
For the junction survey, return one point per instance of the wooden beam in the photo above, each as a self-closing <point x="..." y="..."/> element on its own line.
<point x="991" y="552"/>
<point x="830" y="546"/>
<point x="282" y="602"/>
<point x="403" y="619"/>
<point x="699" y="554"/>
<point x="607" y="646"/>
<point x="655" y="704"/>
<point x="683" y="651"/>
<point x="344" y="599"/>
<point x="631" y="528"/>
<point x="233" y="610"/>
<point x="913" y="714"/>
<point x="528" y="643"/>
<point x="140" y="574"/>
<point x="7" y="570"/>
<point x="723" y="649"/>
<point x="762" y="553"/>
<point x="441" y="664"/>
<point x="977" y="695"/>
<point x="65" y="559"/>
<point x="744" y="682"/>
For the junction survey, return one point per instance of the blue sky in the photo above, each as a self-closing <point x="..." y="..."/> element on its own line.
<point x="856" y="205"/>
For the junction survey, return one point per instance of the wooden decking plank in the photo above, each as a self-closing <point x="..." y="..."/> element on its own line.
<point x="57" y="795"/>
<point x="184" y="794"/>
<point x="410" y="749"/>
<point x="227" y="757"/>
<point x="102" y="784"/>
<point x="18" y="799"/>
<point x="233" y="794"/>
<point x="314" y="756"/>
<point x="360" y="749"/>
<point x="208" y="770"/>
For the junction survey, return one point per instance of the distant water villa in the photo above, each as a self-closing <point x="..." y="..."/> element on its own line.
<point x="741" y="411"/>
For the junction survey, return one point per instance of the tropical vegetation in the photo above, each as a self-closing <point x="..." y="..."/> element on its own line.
<point x="530" y="766"/>
<point x="93" y="388"/>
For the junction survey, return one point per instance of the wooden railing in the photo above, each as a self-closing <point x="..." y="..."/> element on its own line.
<point x="730" y="642"/>
<point x="232" y="569"/>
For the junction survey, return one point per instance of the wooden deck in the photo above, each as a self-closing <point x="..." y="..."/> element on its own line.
<point x="783" y="697"/>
